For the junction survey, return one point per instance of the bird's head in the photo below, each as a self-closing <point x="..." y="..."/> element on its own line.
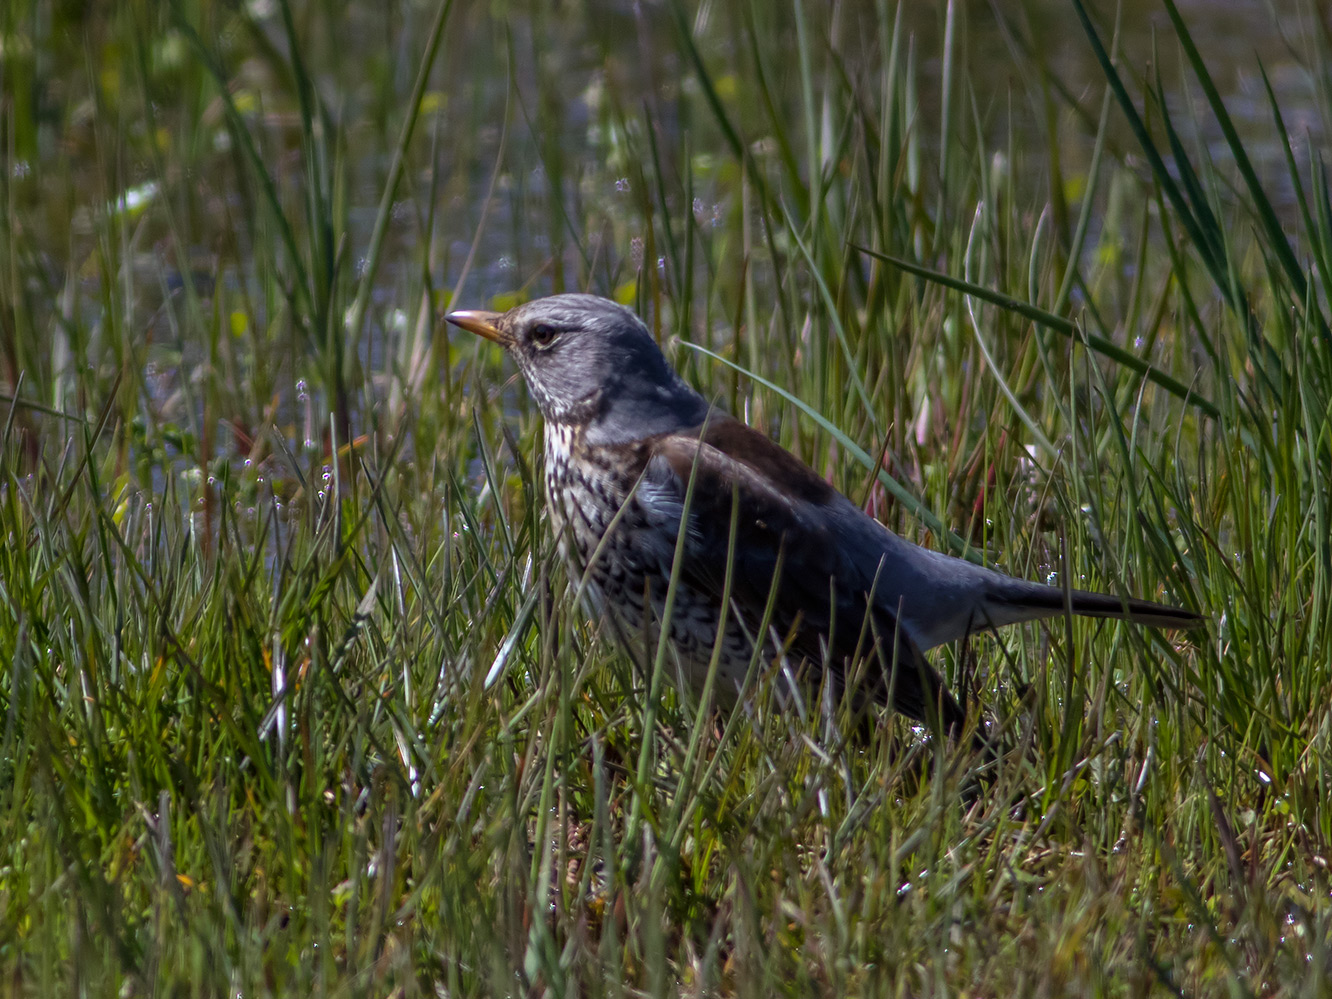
<point x="592" y="363"/>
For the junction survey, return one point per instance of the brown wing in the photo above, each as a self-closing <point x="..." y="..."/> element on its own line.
<point x="786" y="517"/>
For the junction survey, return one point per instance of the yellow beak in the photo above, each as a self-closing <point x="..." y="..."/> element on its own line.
<point x="482" y="323"/>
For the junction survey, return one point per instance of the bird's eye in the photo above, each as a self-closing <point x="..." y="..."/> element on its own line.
<point x="544" y="334"/>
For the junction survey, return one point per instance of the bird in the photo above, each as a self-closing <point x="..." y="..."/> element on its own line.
<point x="633" y="456"/>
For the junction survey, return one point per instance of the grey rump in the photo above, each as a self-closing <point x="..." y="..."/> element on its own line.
<point x="623" y="430"/>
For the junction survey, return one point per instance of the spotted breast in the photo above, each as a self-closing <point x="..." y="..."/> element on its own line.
<point x="617" y="537"/>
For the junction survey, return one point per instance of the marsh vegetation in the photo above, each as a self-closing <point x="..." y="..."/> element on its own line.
<point x="294" y="699"/>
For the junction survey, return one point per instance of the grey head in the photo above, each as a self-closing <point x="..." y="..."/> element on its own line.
<point x="590" y="362"/>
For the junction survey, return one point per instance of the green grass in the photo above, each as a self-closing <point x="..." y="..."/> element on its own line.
<point x="294" y="698"/>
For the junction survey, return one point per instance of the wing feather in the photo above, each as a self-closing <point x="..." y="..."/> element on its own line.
<point x="822" y="595"/>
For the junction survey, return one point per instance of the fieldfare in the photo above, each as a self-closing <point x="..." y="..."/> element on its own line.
<point x="827" y="586"/>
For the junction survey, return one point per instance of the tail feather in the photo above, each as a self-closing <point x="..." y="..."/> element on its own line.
<point x="1033" y="600"/>
<point x="1133" y="609"/>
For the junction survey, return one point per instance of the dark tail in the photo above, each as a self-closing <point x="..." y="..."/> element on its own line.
<point x="1027" y="601"/>
<point x="1133" y="609"/>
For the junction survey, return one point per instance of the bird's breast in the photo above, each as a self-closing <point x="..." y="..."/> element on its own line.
<point x="610" y="534"/>
<point x="583" y="490"/>
<point x="589" y="496"/>
<point x="617" y="533"/>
